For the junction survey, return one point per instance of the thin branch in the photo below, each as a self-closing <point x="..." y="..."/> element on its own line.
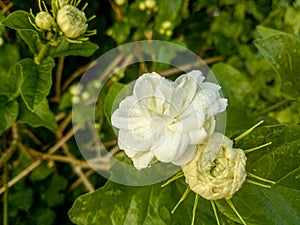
<point x="76" y="168"/>
<point x="65" y="159"/>
<point x="21" y="175"/>
<point x="78" y="181"/>
<point x="59" y="72"/>
<point x="63" y="125"/>
<point x="63" y="140"/>
<point x="35" y="164"/>
<point x="5" y="197"/>
<point x="191" y="65"/>
<point x="13" y="146"/>
<point x="32" y="137"/>
<point x="84" y="179"/>
<point x="76" y="74"/>
<point x="6" y="8"/>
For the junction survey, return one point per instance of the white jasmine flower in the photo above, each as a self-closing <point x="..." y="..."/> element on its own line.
<point x="164" y="120"/>
<point x="44" y="21"/>
<point x="71" y="21"/>
<point x="217" y="170"/>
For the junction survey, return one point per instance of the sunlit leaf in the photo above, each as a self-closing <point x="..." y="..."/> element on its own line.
<point x="37" y="81"/>
<point x="41" y="116"/>
<point x="282" y="53"/>
<point x="65" y="48"/>
<point x="279" y="162"/>
<point x="8" y="115"/>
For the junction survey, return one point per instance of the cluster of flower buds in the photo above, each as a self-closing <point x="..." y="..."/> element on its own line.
<point x="174" y="122"/>
<point x="65" y="19"/>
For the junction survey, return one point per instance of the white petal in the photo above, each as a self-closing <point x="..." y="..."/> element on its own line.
<point x="197" y="136"/>
<point x="170" y="147"/>
<point x="142" y="159"/>
<point x="186" y="156"/>
<point x="128" y="141"/>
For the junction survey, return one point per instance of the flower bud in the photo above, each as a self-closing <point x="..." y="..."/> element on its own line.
<point x="71" y="21"/>
<point x="217" y="170"/>
<point x="44" y="20"/>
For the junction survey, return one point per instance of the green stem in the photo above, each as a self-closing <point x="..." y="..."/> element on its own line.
<point x="41" y="54"/>
<point x="215" y="211"/>
<point x="195" y="208"/>
<point x="185" y="194"/>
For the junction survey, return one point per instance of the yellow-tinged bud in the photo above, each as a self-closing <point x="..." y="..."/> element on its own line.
<point x="44" y="21"/>
<point x="71" y="21"/>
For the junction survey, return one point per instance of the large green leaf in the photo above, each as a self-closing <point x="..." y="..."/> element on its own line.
<point x="240" y="94"/>
<point x="41" y="116"/>
<point x="19" y="20"/>
<point x="33" y="40"/>
<point x="37" y="81"/>
<point x="65" y="48"/>
<point x="279" y="162"/>
<point x="282" y="52"/>
<point x="127" y="205"/>
<point x="8" y="115"/>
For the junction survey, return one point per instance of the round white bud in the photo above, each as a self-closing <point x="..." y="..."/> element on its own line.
<point x="44" y="20"/>
<point x="71" y="21"/>
<point x="217" y="170"/>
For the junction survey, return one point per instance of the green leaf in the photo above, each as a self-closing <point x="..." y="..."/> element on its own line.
<point x="65" y="48"/>
<point x="22" y="199"/>
<point x="8" y="115"/>
<point x="279" y="162"/>
<point x="54" y="195"/>
<point x="11" y="78"/>
<point x="127" y="205"/>
<point x="282" y="53"/>
<point x="110" y="98"/>
<point x="19" y="20"/>
<point x="240" y="94"/>
<point x="120" y="32"/>
<point x="33" y="40"/>
<point x="45" y="216"/>
<point x="9" y="56"/>
<point x="37" y="81"/>
<point x="41" y="172"/>
<point x="41" y="116"/>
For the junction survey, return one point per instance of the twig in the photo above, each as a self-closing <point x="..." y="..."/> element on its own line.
<point x="65" y="159"/>
<point x="191" y="65"/>
<point x="21" y="175"/>
<point x="35" y="164"/>
<point x="5" y="197"/>
<point x="63" y="140"/>
<point x="78" y="181"/>
<point x="59" y="72"/>
<point x="84" y="179"/>
<point x="76" y="167"/>
<point x="6" y="8"/>
<point x="117" y="11"/>
<point x="62" y="126"/>
<point x="32" y="137"/>
<point x="76" y="74"/>
<point x="13" y="146"/>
